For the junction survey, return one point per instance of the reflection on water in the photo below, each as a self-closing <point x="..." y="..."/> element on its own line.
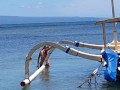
<point x="44" y="75"/>
<point x="27" y="87"/>
<point x="111" y="85"/>
<point x="97" y="83"/>
<point x="101" y="85"/>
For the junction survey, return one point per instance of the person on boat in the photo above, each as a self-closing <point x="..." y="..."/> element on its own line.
<point x="42" y="56"/>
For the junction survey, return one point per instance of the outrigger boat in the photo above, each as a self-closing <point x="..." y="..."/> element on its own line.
<point x="109" y="53"/>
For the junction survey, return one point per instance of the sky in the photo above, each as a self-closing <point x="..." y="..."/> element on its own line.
<point x="58" y="8"/>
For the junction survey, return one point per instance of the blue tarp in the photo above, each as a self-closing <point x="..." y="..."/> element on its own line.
<point x="111" y="59"/>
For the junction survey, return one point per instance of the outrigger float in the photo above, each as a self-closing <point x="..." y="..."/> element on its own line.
<point x="109" y="56"/>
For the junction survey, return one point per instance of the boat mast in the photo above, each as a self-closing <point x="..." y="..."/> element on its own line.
<point x="115" y="31"/>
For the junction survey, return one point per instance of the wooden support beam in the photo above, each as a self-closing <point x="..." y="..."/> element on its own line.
<point x="113" y="20"/>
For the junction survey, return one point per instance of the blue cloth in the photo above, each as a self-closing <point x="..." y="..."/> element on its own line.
<point x="111" y="59"/>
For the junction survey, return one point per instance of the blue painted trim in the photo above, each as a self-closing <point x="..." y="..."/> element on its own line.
<point x="77" y="44"/>
<point x="68" y="49"/>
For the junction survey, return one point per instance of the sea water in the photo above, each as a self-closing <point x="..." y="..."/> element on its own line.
<point x="66" y="72"/>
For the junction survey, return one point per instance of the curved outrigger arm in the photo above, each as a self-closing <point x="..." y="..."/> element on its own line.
<point x="54" y="45"/>
<point x="30" y="78"/>
<point x="68" y="50"/>
<point x="91" y="46"/>
<point x="81" y="44"/>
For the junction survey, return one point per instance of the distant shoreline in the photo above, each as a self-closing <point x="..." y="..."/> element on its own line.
<point x="25" y="20"/>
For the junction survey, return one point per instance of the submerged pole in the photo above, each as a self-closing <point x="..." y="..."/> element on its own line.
<point x="115" y="31"/>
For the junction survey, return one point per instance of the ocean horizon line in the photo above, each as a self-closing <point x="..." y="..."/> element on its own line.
<point x="24" y="20"/>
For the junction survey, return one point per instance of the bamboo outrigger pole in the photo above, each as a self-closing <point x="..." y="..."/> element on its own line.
<point x="115" y="31"/>
<point x="33" y="76"/>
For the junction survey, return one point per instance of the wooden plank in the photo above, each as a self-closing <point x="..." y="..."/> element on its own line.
<point x="113" y="20"/>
